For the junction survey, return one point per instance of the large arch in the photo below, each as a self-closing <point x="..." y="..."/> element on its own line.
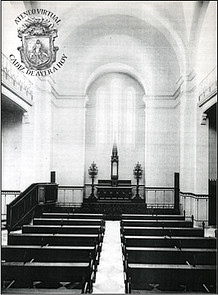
<point x="115" y="68"/>
<point x="150" y="16"/>
<point x="99" y="149"/>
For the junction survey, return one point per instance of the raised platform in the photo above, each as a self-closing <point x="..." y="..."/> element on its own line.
<point x="122" y="191"/>
<point x="113" y="210"/>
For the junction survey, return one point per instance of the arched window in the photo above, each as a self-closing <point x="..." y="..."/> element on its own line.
<point x="130" y="115"/>
<point x="101" y="122"/>
<point x="115" y="99"/>
<point x="115" y="109"/>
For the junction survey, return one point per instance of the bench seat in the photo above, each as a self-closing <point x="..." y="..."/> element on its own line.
<point x="157" y="223"/>
<point x="160" y="241"/>
<point x="54" y="239"/>
<point x="152" y="217"/>
<point x="171" y="255"/>
<point x="73" y="215"/>
<point x="27" y="273"/>
<point x="76" y="229"/>
<point x="158" y="231"/>
<point x="65" y="221"/>
<point x="48" y="253"/>
<point x="171" y="275"/>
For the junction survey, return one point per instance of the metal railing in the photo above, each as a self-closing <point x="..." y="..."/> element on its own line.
<point x="159" y="197"/>
<point x="70" y="195"/>
<point x="16" y="80"/>
<point x="154" y="197"/>
<point x="207" y="86"/>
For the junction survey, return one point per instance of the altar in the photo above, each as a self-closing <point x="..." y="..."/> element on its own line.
<point x="121" y="191"/>
<point x="114" y="189"/>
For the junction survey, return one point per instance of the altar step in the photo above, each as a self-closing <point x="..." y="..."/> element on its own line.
<point x="114" y="210"/>
<point x="114" y="200"/>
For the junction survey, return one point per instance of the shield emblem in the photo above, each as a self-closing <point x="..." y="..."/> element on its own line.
<point x="38" y="52"/>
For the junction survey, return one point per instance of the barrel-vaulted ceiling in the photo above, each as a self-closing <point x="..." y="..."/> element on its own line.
<point x="148" y="40"/>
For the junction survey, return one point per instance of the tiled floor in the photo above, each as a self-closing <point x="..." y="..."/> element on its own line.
<point x="110" y="276"/>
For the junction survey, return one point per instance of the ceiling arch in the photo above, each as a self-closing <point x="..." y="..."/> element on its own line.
<point x="123" y="39"/>
<point x="115" y="68"/>
<point x="140" y="12"/>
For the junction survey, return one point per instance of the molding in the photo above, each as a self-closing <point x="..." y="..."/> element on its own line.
<point x="204" y="119"/>
<point x="58" y="96"/>
<point x="15" y="92"/>
<point x="16" y="98"/>
<point x="195" y="196"/>
<point x="26" y="118"/>
<point x="207" y="98"/>
<point x="162" y="104"/>
<point x="188" y="77"/>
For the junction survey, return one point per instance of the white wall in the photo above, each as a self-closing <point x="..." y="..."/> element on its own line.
<point x="162" y="141"/>
<point x="68" y="140"/>
<point x="11" y="149"/>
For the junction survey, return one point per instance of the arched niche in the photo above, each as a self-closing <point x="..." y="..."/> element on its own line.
<point x="114" y="114"/>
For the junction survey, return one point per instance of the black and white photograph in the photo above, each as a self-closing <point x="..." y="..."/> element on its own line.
<point x="109" y="147"/>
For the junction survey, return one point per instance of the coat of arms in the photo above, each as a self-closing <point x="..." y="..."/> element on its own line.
<point x="38" y="51"/>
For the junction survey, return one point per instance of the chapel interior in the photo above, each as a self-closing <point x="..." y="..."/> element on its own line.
<point x="109" y="159"/>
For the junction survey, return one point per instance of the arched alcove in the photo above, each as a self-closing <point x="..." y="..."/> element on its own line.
<point x="114" y="114"/>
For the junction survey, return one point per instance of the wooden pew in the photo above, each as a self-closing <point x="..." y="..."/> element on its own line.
<point x="157" y="223"/>
<point x="152" y="217"/>
<point x="74" y="215"/>
<point x="160" y="241"/>
<point x="70" y="229"/>
<point x="170" y="275"/>
<point x="165" y="255"/>
<point x="159" y="231"/>
<point x="54" y="239"/>
<point x="48" y="253"/>
<point x="64" y="221"/>
<point x="24" y="274"/>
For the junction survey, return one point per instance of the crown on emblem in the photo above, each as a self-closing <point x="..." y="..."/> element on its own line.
<point x="36" y="26"/>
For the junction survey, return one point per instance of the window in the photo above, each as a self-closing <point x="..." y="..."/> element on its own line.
<point x="115" y="113"/>
<point x="130" y="115"/>
<point x="101" y="120"/>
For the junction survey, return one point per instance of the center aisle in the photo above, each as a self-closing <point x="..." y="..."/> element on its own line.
<point x="110" y="277"/>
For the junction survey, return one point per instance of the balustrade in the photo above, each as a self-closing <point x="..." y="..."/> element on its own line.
<point x="208" y="86"/>
<point x="17" y="80"/>
<point x="70" y="195"/>
<point x="196" y="205"/>
<point x="159" y="197"/>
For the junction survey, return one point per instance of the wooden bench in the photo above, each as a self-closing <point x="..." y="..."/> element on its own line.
<point x="73" y="215"/>
<point x="170" y="275"/>
<point x="70" y="229"/>
<point x="159" y="231"/>
<point x="157" y="223"/>
<point x="24" y="274"/>
<point x="152" y="217"/>
<point x="166" y="255"/>
<point x="49" y="253"/>
<point x="64" y="221"/>
<point x="160" y="241"/>
<point x="54" y="239"/>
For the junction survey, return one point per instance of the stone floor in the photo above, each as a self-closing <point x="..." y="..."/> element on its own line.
<point x="110" y="276"/>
